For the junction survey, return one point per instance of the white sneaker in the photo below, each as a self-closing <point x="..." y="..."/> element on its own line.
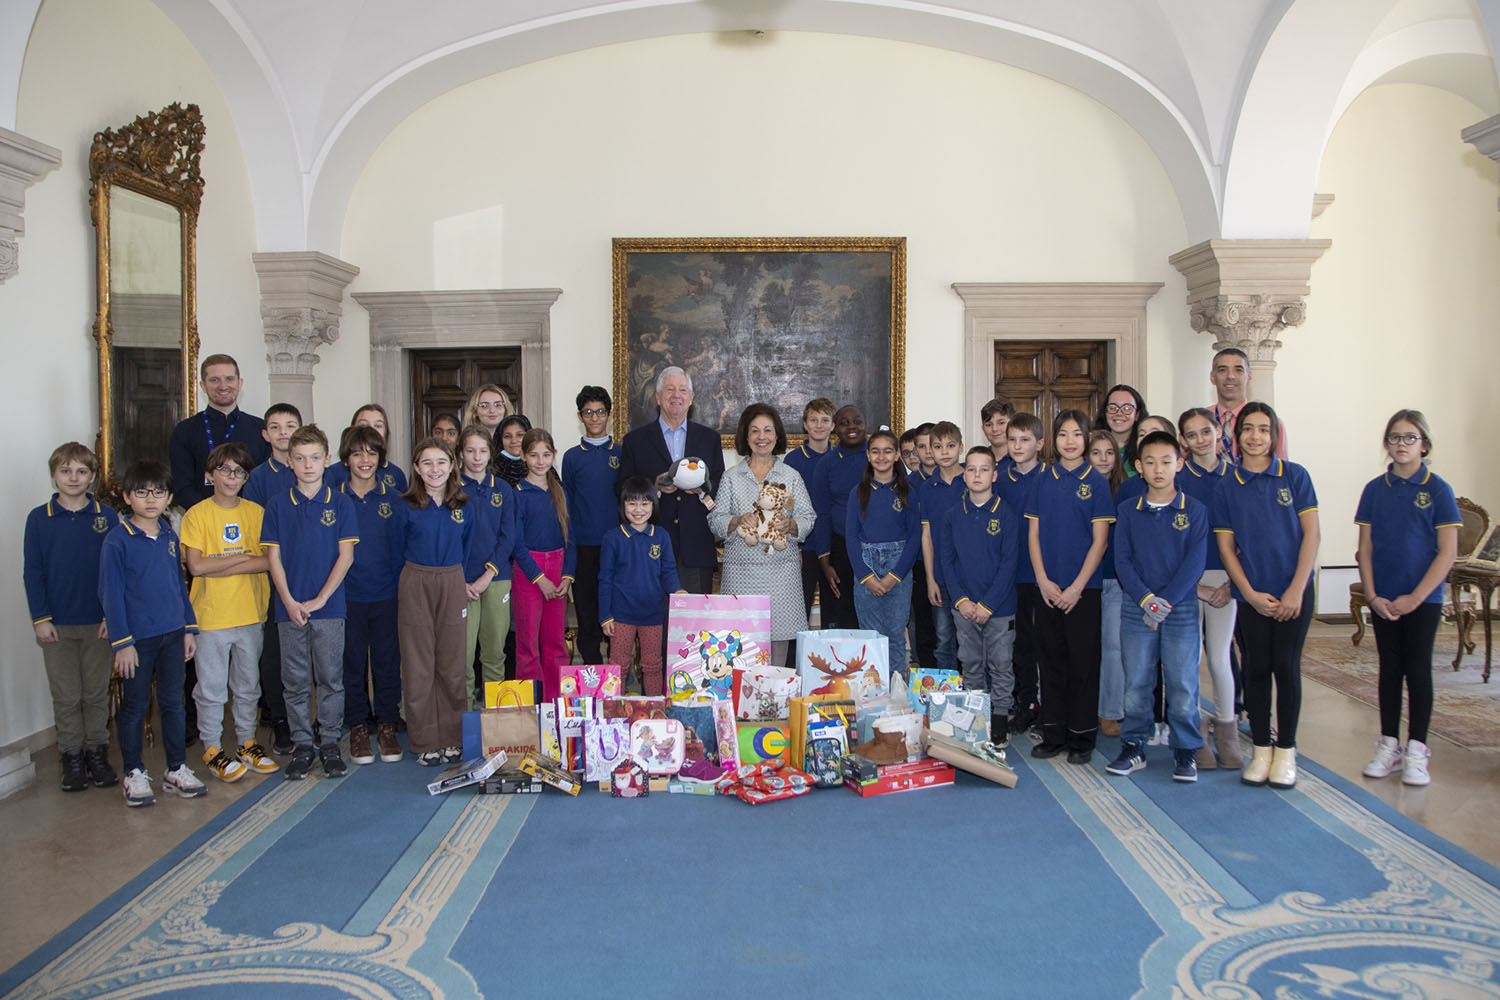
<point x="1415" y="772"/>
<point x="184" y="782"/>
<point x="1162" y="736"/>
<point x="137" y="786"/>
<point x="1387" y="758"/>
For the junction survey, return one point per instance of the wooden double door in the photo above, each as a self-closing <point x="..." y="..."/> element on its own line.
<point x="1047" y="377"/>
<point x="443" y="380"/>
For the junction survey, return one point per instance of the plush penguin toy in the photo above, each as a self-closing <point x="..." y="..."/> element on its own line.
<point x="689" y="475"/>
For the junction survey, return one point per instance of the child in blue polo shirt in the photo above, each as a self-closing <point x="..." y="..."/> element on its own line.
<point x="1016" y="481"/>
<point x="981" y="543"/>
<point x="1159" y="554"/>
<point x="1069" y="517"/>
<point x="61" y="574"/>
<point x="1265" y="519"/>
<point x="309" y="534"/>
<point x="884" y="536"/>
<point x="544" y="566"/>
<point x="371" y="646"/>
<point x="274" y="477"/>
<point x="589" y="470"/>
<point x="994" y="420"/>
<point x="389" y="475"/>
<point x="1408" y="537"/>
<point x="491" y="543"/>
<point x="637" y="570"/>
<point x="151" y="626"/>
<point x="836" y="474"/>
<point x="938" y="495"/>
<point x="817" y="423"/>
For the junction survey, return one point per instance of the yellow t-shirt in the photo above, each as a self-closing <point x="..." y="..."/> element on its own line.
<point x="227" y="601"/>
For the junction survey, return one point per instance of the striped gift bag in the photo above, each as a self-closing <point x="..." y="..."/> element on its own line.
<point x="709" y="636"/>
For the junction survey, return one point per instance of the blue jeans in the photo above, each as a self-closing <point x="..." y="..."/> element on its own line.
<point x="946" y="652"/>
<point x="1174" y="644"/>
<point x="159" y="658"/>
<point x="1111" y="664"/>
<point x="886" y="614"/>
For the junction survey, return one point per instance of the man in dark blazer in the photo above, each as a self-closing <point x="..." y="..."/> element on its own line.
<point x="650" y="450"/>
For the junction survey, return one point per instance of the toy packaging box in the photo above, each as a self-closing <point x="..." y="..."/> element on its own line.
<point x="549" y="771"/>
<point x="510" y="782"/>
<point x="929" y="774"/>
<point x="467" y="772"/>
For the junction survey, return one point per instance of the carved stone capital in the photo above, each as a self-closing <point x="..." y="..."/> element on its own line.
<point x="301" y="302"/>
<point x="22" y="162"/>
<point x="1246" y="292"/>
<point x="293" y="336"/>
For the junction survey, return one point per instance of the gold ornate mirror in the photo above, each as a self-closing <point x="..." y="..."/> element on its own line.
<point x="144" y="195"/>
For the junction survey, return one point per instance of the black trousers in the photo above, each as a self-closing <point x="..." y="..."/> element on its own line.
<point x="1405" y="647"/>
<point x="838" y="612"/>
<point x="272" y="700"/>
<point x="1273" y="657"/>
<point x="1023" y="657"/>
<point x="812" y="575"/>
<point x="585" y="588"/>
<point x="1068" y="647"/>
<point x="924" y="636"/>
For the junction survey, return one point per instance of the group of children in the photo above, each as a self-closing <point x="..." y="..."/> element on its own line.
<point x="1073" y="589"/>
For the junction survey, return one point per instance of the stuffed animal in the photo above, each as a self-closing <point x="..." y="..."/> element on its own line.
<point x="772" y="499"/>
<point x="690" y="475"/>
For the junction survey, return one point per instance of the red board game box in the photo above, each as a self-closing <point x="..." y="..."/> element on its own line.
<point x="933" y="774"/>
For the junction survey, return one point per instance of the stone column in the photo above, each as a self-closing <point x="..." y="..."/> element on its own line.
<point x="1485" y="137"/>
<point x="1245" y="293"/>
<point x="301" y="301"/>
<point x="22" y="162"/>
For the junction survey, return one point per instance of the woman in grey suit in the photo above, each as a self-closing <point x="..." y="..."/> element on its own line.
<point x="750" y="568"/>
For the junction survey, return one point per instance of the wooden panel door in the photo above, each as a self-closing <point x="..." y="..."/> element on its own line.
<point x="1045" y="377"/>
<point x="147" y="403"/>
<point x="442" y="381"/>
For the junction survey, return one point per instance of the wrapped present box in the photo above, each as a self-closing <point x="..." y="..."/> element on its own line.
<point x="960" y="756"/>
<point x="960" y="715"/>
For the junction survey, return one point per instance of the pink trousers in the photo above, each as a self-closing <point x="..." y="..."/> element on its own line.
<point x="540" y="652"/>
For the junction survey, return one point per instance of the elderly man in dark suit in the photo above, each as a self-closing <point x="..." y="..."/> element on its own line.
<point x="650" y="450"/>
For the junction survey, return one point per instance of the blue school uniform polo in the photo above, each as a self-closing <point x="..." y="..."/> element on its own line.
<point x="1018" y="488"/>
<point x="437" y="535"/>
<point x="388" y="475"/>
<point x="637" y="570"/>
<point x="60" y="567"/>
<point x="805" y="460"/>
<point x="1202" y="486"/>
<point x="1404" y="516"/>
<point x="935" y="499"/>
<point x="887" y="518"/>
<point x="308" y="530"/>
<point x="588" y="476"/>
<point x="268" y="479"/>
<point x="492" y="541"/>
<point x="837" y="473"/>
<point x="141" y="585"/>
<point x="381" y="552"/>
<point x="1066" y="506"/>
<point x="1261" y="511"/>
<point x="981" y="547"/>
<point x="1160" y="550"/>
<point x="538" y="530"/>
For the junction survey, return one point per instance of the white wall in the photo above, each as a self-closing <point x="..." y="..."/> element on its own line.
<point x="1403" y="306"/>
<point x="993" y="174"/>
<point x="94" y="64"/>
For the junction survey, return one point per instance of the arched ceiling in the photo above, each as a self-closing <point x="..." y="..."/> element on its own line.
<point x="1235" y="97"/>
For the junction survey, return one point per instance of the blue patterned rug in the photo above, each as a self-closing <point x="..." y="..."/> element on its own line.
<point x="1073" y="884"/>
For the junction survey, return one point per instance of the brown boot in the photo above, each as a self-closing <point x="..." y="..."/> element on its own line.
<point x="1109" y="727"/>
<point x="1227" y="743"/>
<point x="1204" y="755"/>
<point x="359" y="745"/>
<point x="885" y="748"/>
<point x="385" y="735"/>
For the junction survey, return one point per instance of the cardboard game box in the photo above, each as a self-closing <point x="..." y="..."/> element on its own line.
<point x="467" y="772"/>
<point x="899" y="778"/>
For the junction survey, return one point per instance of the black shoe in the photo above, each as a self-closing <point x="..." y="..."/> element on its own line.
<point x="999" y="730"/>
<point x="1080" y="757"/>
<point x="332" y="760"/>
<point x="300" y="764"/>
<point x="75" y="778"/>
<point x="96" y="762"/>
<point x="281" y="737"/>
<point x="1022" y="720"/>
<point x="1043" y="751"/>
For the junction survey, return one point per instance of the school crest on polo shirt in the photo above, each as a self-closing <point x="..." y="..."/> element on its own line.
<point x="614" y="461"/>
<point x="656" y="552"/>
<point x="100" y="525"/>
<point x="458" y="516"/>
<point x="1284" y="497"/>
<point x="231" y="533"/>
<point x="897" y="505"/>
<point x="1084" y="491"/>
<point x="1423" y="500"/>
<point x="1180" y="521"/>
<point x="388" y="480"/>
<point x="495" y="499"/>
<point x="994" y="526"/>
<point x="384" y="510"/>
<point x="172" y="547"/>
<point x="329" y="517"/>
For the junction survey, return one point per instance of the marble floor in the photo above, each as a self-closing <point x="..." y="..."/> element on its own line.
<point x="66" y="853"/>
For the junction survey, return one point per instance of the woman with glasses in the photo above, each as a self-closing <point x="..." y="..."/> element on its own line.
<point x="1122" y="410"/>
<point x="1408" y="537"/>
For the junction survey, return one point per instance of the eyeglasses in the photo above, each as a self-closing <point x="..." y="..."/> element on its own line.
<point x="1403" y="438"/>
<point x="155" y="494"/>
<point x="232" y="472"/>
<point x="593" y="412"/>
<point x="1120" y="408"/>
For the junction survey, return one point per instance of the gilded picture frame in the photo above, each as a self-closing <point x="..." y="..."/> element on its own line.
<point x="780" y="320"/>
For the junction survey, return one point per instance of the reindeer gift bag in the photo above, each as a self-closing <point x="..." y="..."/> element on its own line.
<point x="852" y="663"/>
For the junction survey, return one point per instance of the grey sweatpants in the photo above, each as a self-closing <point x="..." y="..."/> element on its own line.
<point x="313" y="653"/>
<point x="228" y="661"/>
<point x="985" y="655"/>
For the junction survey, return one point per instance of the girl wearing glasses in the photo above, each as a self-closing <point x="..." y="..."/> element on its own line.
<point x="1120" y="413"/>
<point x="1408" y="537"/>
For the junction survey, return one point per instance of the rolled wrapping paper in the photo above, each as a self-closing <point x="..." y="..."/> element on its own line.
<point x="953" y="752"/>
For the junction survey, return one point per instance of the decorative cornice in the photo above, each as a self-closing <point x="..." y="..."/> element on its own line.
<point x="1484" y="136"/>
<point x="1321" y="202"/>
<point x="397" y="317"/>
<point x="22" y="162"/>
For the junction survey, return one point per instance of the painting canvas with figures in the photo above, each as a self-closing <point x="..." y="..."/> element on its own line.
<point x="779" y="321"/>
